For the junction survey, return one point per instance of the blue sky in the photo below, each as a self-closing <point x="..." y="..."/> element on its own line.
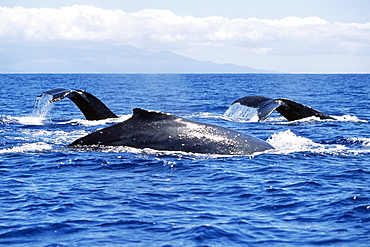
<point x="322" y="36"/>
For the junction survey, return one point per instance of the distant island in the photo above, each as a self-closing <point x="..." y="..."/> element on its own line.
<point x="100" y="57"/>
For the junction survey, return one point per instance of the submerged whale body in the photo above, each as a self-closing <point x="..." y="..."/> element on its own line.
<point x="291" y="110"/>
<point x="161" y="131"/>
<point x="157" y="130"/>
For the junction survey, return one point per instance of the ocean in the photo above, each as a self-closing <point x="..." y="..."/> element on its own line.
<point x="313" y="189"/>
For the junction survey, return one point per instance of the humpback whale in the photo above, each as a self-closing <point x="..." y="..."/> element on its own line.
<point x="162" y="131"/>
<point x="291" y="110"/>
<point x="90" y="106"/>
<point x="158" y="130"/>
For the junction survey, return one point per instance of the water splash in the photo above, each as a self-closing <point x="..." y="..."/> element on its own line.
<point x="241" y="112"/>
<point x="40" y="113"/>
<point x="42" y="105"/>
<point x="286" y="142"/>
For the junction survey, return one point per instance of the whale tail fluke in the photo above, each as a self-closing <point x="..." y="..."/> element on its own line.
<point x="291" y="110"/>
<point x="264" y="105"/>
<point x="90" y="106"/>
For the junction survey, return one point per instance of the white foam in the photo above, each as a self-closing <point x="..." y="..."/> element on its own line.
<point x="33" y="120"/>
<point x="85" y="122"/>
<point x="149" y="151"/>
<point x="29" y="147"/>
<point x="349" y="118"/>
<point x="287" y="142"/>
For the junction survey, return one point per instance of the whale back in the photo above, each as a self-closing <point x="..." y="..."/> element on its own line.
<point x="161" y="131"/>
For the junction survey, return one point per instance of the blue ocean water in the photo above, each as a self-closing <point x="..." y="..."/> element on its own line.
<point x="312" y="190"/>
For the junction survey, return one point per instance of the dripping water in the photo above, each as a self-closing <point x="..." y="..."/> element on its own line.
<point x="40" y="113"/>
<point x="42" y="106"/>
<point x="241" y="112"/>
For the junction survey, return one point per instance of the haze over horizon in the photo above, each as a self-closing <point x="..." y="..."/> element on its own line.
<point x="282" y="36"/>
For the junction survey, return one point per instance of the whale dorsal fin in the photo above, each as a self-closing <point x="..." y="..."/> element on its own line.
<point x="140" y="113"/>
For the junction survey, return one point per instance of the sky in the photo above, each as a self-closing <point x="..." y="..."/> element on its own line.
<point x="294" y="36"/>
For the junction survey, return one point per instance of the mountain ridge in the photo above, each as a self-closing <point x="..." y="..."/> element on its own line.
<point x="100" y="57"/>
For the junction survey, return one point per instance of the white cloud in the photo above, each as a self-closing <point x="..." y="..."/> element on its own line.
<point x="163" y="30"/>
